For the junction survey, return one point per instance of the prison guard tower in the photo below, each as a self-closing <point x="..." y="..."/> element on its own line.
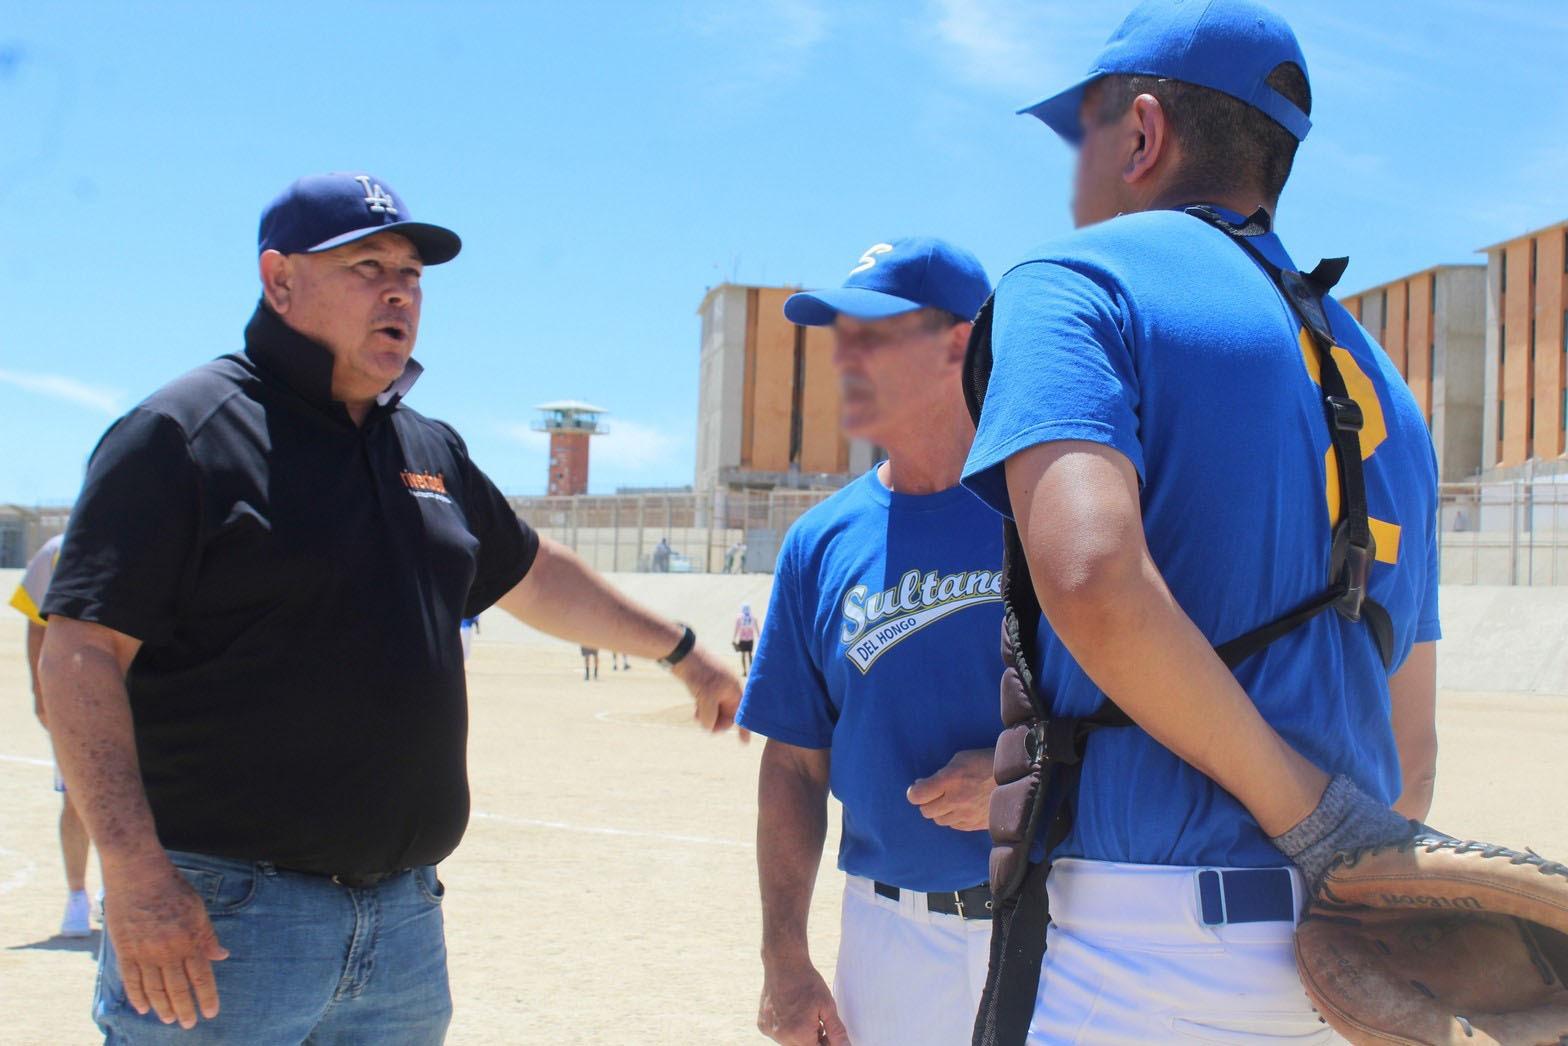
<point x="570" y="424"/>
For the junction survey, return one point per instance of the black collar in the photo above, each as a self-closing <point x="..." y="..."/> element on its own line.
<point x="305" y="365"/>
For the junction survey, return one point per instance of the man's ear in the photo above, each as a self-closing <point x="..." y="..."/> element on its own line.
<point x="276" y="281"/>
<point x="958" y="342"/>
<point x="1155" y="148"/>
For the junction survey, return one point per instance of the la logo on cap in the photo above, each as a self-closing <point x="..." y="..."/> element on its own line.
<point x="376" y="198"/>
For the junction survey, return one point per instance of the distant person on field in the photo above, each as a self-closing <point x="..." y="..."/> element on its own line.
<point x="661" y="557"/>
<point x="735" y="558"/>
<point x="253" y="670"/>
<point x="590" y="658"/>
<point x="625" y="665"/>
<point x="74" y="844"/>
<point x="745" y="638"/>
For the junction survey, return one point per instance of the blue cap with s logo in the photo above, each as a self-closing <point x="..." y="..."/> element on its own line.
<point x="918" y="272"/>
<point x="1229" y="46"/>
<point x="322" y="211"/>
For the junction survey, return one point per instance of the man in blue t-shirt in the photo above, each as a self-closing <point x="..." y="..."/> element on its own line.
<point x="876" y="677"/>
<point x="1154" y="426"/>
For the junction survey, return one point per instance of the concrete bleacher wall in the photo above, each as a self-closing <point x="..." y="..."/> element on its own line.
<point x="1504" y="638"/>
<point x="1497" y="638"/>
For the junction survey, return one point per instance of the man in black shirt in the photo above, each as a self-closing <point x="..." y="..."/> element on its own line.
<point x="253" y="669"/>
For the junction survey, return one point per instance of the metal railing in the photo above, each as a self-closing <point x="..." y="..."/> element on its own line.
<point x="721" y="531"/>
<point x="23" y="531"/>
<point x="1504" y="533"/>
<point x="1512" y="532"/>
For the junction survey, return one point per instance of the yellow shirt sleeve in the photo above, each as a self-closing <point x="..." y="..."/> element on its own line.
<point x="29" y="595"/>
<point x="24" y="602"/>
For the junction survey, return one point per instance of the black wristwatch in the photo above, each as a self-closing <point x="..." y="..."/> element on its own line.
<point x="674" y="657"/>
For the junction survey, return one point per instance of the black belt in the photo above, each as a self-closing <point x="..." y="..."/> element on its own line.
<point x="973" y="903"/>
<point x="363" y="881"/>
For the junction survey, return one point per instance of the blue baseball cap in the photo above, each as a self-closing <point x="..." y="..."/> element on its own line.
<point x="1229" y="46"/>
<point x="918" y="272"/>
<point x="322" y="211"/>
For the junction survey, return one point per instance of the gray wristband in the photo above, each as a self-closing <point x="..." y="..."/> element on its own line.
<point x="1346" y="819"/>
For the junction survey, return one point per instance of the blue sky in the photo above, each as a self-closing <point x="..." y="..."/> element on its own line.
<point x="607" y="162"/>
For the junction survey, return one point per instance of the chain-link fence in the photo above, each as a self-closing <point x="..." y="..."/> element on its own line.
<point x="1507" y="533"/>
<point x="24" y="530"/>
<point x="722" y="531"/>
<point x="1511" y="533"/>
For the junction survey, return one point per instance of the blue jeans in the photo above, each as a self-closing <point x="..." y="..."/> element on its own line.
<point x="310" y="962"/>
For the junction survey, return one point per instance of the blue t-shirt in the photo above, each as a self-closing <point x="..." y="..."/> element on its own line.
<point x="882" y="642"/>
<point x="1158" y="336"/>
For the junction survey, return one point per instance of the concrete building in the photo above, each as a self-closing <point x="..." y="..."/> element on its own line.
<point x="23" y="531"/>
<point x="1526" y="365"/>
<point x="1432" y="324"/>
<point x="768" y="400"/>
<point x="571" y="424"/>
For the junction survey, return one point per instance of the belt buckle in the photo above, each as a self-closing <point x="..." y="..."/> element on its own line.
<point x="358" y="882"/>
<point x="1210" y="884"/>
<point x="958" y="904"/>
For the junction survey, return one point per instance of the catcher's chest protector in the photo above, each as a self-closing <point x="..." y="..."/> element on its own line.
<point x="1037" y="750"/>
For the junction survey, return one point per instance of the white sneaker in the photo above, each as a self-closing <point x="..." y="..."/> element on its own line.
<point x="77" y="921"/>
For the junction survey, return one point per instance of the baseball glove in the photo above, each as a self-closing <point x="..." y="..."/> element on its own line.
<point x="1439" y="941"/>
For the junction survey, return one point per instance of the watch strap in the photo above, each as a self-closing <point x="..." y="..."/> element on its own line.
<point x="684" y="647"/>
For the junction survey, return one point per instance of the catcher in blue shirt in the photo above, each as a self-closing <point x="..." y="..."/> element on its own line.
<point x="1154" y="426"/>
<point x="876" y="677"/>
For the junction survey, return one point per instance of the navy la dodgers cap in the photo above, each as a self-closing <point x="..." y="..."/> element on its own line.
<point x="322" y="211"/>
<point x="918" y="272"/>
<point x="1229" y="46"/>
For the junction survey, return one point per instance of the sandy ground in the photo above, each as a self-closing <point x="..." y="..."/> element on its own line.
<point x="605" y="892"/>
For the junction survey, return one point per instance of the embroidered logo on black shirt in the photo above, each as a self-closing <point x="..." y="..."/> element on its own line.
<point x="426" y="485"/>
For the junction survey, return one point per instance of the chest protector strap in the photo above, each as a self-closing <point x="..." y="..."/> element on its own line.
<point x="1039" y="756"/>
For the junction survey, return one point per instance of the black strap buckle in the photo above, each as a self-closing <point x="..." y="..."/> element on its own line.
<point x="1055" y="741"/>
<point x="1347" y="413"/>
<point x="1355" y="567"/>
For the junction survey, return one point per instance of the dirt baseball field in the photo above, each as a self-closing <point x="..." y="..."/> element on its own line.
<point x="606" y="892"/>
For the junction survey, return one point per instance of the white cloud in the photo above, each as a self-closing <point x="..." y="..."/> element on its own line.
<point x="66" y="389"/>
<point x="629" y="451"/>
<point x="522" y="433"/>
<point x="1527" y="16"/>
<point x="633" y="445"/>
<point x="759" y="44"/>
<point x="1526" y="195"/>
<point x="792" y="25"/>
<point x="1353" y="167"/>
<point x="1018" y="47"/>
<point x="801" y="23"/>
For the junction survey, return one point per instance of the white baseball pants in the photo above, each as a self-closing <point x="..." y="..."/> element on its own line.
<point x="1130" y="960"/>
<point x="907" y="976"/>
